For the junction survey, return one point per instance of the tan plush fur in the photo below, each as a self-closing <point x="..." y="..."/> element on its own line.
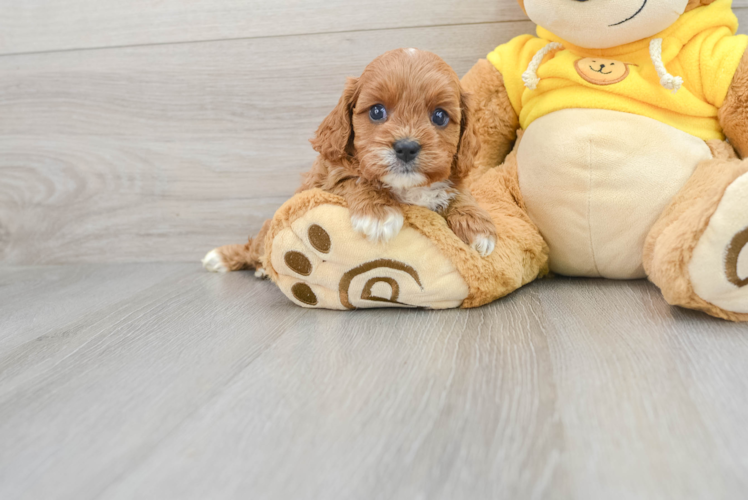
<point x="733" y="115"/>
<point x="520" y="257"/>
<point x="494" y="119"/>
<point x="521" y="254"/>
<point x="671" y="242"/>
<point x="288" y="213"/>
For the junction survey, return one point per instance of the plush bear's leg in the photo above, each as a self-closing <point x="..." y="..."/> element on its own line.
<point x="318" y="260"/>
<point x="697" y="252"/>
<point x="497" y="190"/>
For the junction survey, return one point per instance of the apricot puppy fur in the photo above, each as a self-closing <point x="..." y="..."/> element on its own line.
<point x="402" y="133"/>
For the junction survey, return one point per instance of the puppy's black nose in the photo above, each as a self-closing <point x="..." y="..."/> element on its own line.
<point x="406" y="150"/>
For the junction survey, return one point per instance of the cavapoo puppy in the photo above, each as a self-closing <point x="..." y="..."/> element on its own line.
<point x="401" y="134"/>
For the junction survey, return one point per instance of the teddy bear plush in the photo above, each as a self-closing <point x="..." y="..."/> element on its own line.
<point x="604" y="153"/>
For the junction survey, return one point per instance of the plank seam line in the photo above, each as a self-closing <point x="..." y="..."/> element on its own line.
<point x="182" y="42"/>
<point x="262" y="37"/>
<point x="210" y="397"/>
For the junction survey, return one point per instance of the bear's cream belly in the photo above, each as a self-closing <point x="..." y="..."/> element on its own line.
<point x="595" y="182"/>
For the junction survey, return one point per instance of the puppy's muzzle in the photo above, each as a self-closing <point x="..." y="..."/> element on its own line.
<point x="406" y="150"/>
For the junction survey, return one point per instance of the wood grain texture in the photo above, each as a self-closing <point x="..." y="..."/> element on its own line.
<point x="164" y="152"/>
<point x="161" y="152"/>
<point x="194" y="385"/>
<point x="44" y="25"/>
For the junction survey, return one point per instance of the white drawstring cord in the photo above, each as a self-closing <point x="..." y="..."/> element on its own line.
<point x="667" y="80"/>
<point x="530" y="77"/>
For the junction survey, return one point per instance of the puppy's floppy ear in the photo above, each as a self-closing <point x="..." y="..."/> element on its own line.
<point x="469" y="145"/>
<point x="334" y="138"/>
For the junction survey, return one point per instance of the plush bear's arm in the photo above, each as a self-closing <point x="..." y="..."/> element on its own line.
<point x="733" y="115"/>
<point x="496" y="122"/>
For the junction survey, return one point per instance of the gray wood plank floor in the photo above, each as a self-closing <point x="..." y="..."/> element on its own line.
<point x="161" y="152"/>
<point x="164" y="152"/>
<point x="54" y="25"/>
<point x="161" y="381"/>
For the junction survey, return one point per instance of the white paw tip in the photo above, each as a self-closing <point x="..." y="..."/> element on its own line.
<point x="484" y="245"/>
<point x="214" y="263"/>
<point x="260" y="273"/>
<point x="379" y="229"/>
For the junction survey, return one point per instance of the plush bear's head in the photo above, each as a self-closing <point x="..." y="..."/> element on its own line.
<point x="601" y="24"/>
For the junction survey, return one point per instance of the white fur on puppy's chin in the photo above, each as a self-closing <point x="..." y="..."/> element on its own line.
<point x="410" y="187"/>
<point x="400" y="180"/>
<point x="484" y="245"/>
<point x="214" y="263"/>
<point x="404" y="181"/>
<point x="602" y="24"/>
<point x="379" y="229"/>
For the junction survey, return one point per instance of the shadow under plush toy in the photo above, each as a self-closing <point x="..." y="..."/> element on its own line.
<point x="603" y="155"/>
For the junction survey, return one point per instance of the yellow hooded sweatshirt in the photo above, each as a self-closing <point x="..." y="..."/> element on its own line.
<point x="701" y="48"/>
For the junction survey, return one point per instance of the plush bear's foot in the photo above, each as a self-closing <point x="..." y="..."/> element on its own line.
<point x="321" y="260"/>
<point x="719" y="266"/>
<point x="697" y="253"/>
<point x="318" y="259"/>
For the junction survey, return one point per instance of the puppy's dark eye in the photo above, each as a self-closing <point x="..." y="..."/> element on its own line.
<point x="378" y="113"/>
<point x="440" y="118"/>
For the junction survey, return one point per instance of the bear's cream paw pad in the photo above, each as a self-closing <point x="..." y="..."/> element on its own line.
<point x="323" y="262"/>
<point x="719" y="267"/>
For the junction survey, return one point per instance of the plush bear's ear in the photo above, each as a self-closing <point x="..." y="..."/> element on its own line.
<point x="334" y="138"/>
<point x="469" y="145"/>
<point x="692" y="4"/>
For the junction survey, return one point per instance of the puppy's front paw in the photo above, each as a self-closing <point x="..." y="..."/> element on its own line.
<point x="379" y="228"/>
<point x="484" y="244"/>
<point x="213" y="262"/>
<point x="475" y="228"/>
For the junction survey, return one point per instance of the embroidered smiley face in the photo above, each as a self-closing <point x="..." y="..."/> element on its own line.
<point x="600" y="71"/>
